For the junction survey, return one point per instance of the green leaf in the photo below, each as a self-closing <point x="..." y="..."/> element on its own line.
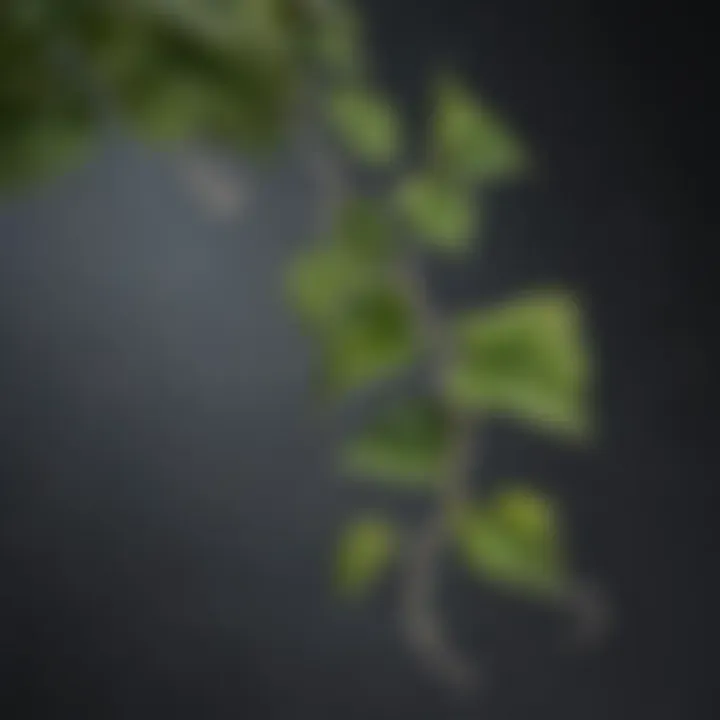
<point x="367" y="124"/>
<point x="408" y="445"/>
<point x="470" y="140"/>
<point x="525" y="359"/>
<point x="42" y="148"/>
<point x="339" y="40"/>
<point x="363" y="228"/>
<point x="324" y="281"/>
<point x="374" y="341"/>
<point x="444" y="214"/>
<point x="365" y="550"/>
<point x="363" y="324"/>
<point x="514" y="540"/>
<point x="193" y="73"/>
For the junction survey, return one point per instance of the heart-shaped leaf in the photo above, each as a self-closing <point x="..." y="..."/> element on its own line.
<point x="367" y="124"/>
<point x="514" y="540"/>
<point x="443" y="214"/>
<point x="525" y="359"/>
<point x="470" y="140"/>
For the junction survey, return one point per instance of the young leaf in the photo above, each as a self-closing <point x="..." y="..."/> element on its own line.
<point x="365" y="550"/>
<point x="367" y="124"/>
<point x="364" y="230"/>
<point x="444" y="214"/>
<point x="338" y="40"/>
<point x="43" y="147"/>
<point x="374" y="341"/>
<point x="406" y="446"/>
<point x="514" y="540"/>
<point x="525" y="359"/>
<point x="323" y="281"/>
<point x="470" y="140"/>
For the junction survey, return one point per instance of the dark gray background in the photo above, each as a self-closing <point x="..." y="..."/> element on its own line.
<point x="166" y="507"/>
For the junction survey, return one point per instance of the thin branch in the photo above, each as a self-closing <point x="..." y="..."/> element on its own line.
<point x="420" y="618"/>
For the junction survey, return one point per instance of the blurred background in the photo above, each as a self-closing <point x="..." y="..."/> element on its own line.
<point x="167" y="504"/>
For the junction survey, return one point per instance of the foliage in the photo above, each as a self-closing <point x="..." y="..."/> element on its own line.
<point x="514" y="539"/>
<point x="365" y="551"/>
<point x="366" y="123"/>
<point x="224" y="72"/>
<point x="443" y="213"/>
<point x="407" y="445"/>
<point x="525" y="358"/>
<point x="238" y="73"/>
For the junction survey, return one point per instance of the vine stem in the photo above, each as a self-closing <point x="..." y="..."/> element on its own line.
<point x="420" y="618"/>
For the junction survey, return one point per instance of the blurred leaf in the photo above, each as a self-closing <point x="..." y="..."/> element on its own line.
<point x="469" y="140"/>
<point x="45" y="119"/>
<point x="239" y="96"/>
<point x="339" y="40"/>
<point x="375" y="340"/>
<point x="224" y="72"/>
<point x="514" y="540"/>
<point x="526" y="359"/>
<point x="323" y="281"/>
<point x="175" y="110"/>
<point x="365" y="550"/>
<point x="443" y="214"/>
<point x="344" y="292"/>
<point x="364" y="229"/>
<point x="367" y="124"/>
<point x="407" y="445"/>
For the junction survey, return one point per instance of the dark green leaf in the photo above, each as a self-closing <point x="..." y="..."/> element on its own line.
<point x="42" y="148"/>
<point x="375" y="340"/>
<point x="326" y="280"/>
<point x="407" y="445"/>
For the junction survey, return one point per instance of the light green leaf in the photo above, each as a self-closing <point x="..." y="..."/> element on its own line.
<point x="444" y="214"/>
<point x="470" y="140"/>
<point x="525" y="359"/>
<point x="365" y="550"/>
<point x="375" y="340"/>
<point x="514" y="540"/>
<point x="408" y="445"/>
<point x="367" y="124"/>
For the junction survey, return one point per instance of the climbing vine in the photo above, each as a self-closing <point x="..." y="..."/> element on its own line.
<point x="244" y="74"/>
